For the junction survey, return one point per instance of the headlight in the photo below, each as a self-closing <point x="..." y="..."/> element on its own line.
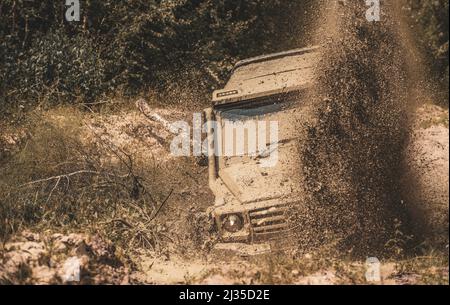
<point x="233" y="223"/>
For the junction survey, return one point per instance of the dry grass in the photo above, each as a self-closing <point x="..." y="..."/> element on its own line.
<point x="58" y="181"/>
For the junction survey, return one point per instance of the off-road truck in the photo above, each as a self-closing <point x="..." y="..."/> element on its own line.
<point x="251" y="200"/>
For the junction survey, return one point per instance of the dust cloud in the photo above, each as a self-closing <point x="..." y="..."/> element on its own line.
<point x="353" y="146"/>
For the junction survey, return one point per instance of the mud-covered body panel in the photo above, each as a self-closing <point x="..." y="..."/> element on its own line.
<point x="255" y="196"/>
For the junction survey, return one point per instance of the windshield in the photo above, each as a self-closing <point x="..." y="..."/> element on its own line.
<point x="257" y="109"/>
<point x="280" y="109"/>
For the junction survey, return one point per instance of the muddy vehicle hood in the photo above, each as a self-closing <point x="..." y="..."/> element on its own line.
<point x="266" y="75"/>
<point x="248" y="182"/>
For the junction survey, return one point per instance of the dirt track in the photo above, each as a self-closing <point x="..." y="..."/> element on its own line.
<point x="187" y="258"/>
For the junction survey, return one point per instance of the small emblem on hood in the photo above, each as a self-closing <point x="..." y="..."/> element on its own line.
<point x="227" y="93"/>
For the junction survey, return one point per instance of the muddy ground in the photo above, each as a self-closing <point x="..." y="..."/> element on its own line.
<point x="187" y="255"/>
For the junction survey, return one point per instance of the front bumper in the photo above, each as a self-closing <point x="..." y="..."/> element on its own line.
<point x="262" y="221"/>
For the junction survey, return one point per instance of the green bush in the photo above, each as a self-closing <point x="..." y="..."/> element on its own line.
<point x="59" y="181"/>
<point x="136" y="45"/>
<point x="63" y="68"/>
<point x="430" y="18"/>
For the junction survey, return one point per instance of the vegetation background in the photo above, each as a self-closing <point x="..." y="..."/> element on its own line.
<point x="165" y="47"/>
<point x="64" y="169"/>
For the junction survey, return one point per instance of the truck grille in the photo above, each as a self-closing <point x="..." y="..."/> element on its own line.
<point x="268" y="221"/>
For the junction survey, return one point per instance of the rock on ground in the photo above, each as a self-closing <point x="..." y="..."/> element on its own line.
<point x="32" y="258"/>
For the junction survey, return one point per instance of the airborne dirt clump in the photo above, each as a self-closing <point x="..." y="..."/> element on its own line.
<point x="353" y="151"/>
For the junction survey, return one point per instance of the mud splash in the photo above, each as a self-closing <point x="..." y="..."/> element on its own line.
<point x="353" y="151"/>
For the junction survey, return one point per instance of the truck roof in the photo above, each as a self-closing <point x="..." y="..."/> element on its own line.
<point x="262" y="58"/>
<point x="269" y="74"/>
